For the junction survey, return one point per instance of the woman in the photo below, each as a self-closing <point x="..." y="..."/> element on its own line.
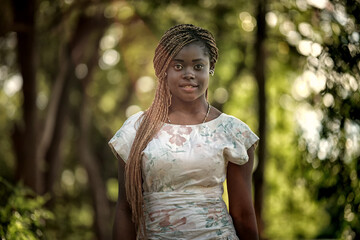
<point x="177" y="154"/>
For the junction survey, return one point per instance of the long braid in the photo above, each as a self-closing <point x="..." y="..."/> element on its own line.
<point x="152" y="120"/>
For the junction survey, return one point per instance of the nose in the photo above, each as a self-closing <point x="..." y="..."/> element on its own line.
<point x="189" y="74"/>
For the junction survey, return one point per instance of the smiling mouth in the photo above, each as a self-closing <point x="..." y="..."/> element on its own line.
<point x="189" y="87"/>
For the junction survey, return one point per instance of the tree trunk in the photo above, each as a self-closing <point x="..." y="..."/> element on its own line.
<point x="53" y="132"/>
<point x="259" y="72"/>
<point x="72" y="54"/>
<point x="91" y="164"/>
<point x="25" y="135"/>
<point x="86" y="155"/>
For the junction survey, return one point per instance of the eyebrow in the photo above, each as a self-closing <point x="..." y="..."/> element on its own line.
<point x="195" y="60"/>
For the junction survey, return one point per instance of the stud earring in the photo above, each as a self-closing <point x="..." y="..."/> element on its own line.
<point x="211" y="72"/>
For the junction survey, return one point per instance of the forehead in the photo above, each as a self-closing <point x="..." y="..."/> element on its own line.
<point x="194" y="50"/>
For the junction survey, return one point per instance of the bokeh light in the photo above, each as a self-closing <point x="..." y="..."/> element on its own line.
<point x="42" y="100"/>
<point x="271" y="19"/>
<point x="13" y="84"/>
<point x="109" y="59"/>
<point x="81" y="70"/>
<point x="248" y="22"/>
<point x="328" y="100"/>
<point x="145" y="84"/>
<point x="112" y="189"/>
<point x="318" y="3"/>
<point x="131" y="110"/>
<point x="305" y="29"/>
<point x="221" y="95"/>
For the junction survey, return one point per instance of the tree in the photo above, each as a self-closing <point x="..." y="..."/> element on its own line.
<point x="36" y="146"/>
<point x="88" y="66"/>
<point x="331" y="151"/>
<point x="259" y="73"/>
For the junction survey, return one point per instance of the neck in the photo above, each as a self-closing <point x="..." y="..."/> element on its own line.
<point x="199" y="105"/>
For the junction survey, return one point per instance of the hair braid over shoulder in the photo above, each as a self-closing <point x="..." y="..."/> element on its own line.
<point x="152" y="120"/>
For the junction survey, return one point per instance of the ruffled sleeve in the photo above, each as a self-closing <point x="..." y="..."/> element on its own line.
<point x="241" y="139"/>
<point x="123" y="139"/>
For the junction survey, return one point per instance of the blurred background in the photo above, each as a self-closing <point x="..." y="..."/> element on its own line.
<point x="71" y="72"/>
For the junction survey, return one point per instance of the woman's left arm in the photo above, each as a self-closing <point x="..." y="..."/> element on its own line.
<point x="241" y="208"/>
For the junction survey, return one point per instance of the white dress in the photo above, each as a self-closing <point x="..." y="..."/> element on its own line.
<point x="183" y="170"/>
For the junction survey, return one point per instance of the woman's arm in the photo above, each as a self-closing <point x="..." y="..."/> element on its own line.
<point x="123" y="227"/>
<point x="241" y="208"/>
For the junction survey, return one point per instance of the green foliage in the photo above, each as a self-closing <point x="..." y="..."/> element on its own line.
<point x="22" y="213"/>
<point x="73" y="220"/>
<point x="312" y="194"/>
<point x="330" y="151"/>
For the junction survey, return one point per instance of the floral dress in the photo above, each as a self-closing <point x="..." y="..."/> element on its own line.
<point x="183" y="170"/>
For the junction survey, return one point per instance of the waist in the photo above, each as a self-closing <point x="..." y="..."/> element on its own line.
<point x="200" y="193"/>
<point x="191" y="214"/>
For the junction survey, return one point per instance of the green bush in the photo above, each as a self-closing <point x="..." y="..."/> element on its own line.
<point x="22" y="212"/>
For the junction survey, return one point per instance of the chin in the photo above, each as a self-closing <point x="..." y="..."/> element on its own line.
<point x="191" y="99"/>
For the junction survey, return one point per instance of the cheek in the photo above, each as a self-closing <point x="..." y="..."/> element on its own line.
<point x="205" y="78"/>
<point x="173" y="75"/>
<point x="206" y="84"/>
<point x="171" y="81"/>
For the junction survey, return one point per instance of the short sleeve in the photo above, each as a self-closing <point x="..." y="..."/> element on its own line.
<point x="241" y="139"/>
<point x="123" y="139"/>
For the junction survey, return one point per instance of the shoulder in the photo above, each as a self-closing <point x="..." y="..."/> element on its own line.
<point x="122" y="141"/>
<point x="129" y="126"/>
<point x="233" y="122"/>
<point x="242" y="132"/>
<point x="134" y="120"/>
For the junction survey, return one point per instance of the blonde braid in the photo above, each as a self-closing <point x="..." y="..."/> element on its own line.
<point x="152" y="120"/>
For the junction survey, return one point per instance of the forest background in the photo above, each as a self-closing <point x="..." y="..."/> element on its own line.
<point x="72" y="71"/>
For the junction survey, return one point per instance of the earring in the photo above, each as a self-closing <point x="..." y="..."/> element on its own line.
<point x="211" y="72"/>
<point x="170" y="97"/>
<point x="165" y="74"/>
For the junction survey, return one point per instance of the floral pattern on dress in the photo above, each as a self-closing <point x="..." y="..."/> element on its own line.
<point x="184" y="167"/>
<point x="178" y="135"/>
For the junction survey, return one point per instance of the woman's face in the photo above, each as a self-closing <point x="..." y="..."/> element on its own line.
<point x="188" y="73"/>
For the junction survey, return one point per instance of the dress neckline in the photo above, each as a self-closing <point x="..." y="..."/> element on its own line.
<point x="198" y="124"/>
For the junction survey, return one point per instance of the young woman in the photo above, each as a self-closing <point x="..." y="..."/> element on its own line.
<point x="177" y="154"/>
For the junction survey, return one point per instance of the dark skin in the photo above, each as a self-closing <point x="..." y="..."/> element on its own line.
<point x="188" y="77"/>
<point x="241" y="209"/>
<point x="123" y="227"/>
<point x="188" y="80"/>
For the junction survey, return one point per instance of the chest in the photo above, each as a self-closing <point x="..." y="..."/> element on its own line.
<point x="184" y="157"/>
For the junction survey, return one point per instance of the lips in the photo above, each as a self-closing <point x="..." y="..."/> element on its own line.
<point x="189" y="88"/>
<point x="188" y="85"/>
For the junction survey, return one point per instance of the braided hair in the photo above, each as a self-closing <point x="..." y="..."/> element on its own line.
<point x="153" y="118"/>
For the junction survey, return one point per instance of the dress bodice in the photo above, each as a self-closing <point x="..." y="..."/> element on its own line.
<point x="183" y="169"/>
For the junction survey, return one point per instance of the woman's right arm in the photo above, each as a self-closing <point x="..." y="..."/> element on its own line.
<point x="123" y="227"/>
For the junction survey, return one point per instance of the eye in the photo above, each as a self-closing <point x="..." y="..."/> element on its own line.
<point x="198" y="67"/>
<point x="178" y="66"/>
